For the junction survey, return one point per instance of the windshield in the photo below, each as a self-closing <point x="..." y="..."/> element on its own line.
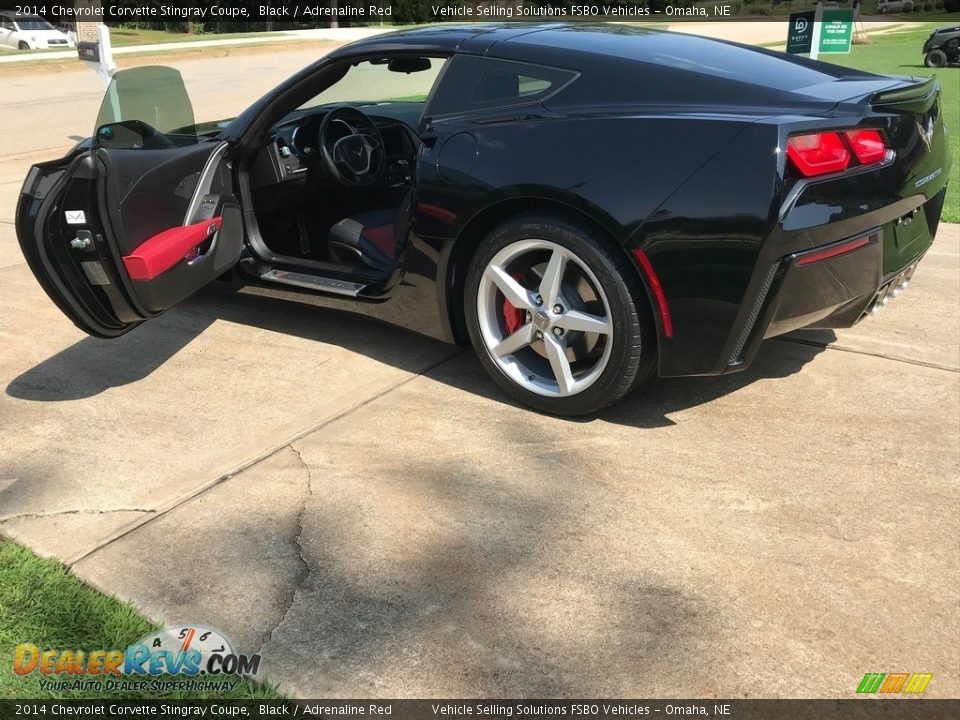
<point x="402" y="80"/>
<point x="34" y="24"/>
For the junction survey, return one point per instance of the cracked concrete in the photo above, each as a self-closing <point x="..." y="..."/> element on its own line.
<point x="233" y="550"/>
<point x="308" y="497"/>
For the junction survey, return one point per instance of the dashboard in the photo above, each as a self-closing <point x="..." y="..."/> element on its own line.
<point x="293" y="149"/>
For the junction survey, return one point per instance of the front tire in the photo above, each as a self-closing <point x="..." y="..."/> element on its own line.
<point x="558" y="317"/>
<point x="23" y="45"/>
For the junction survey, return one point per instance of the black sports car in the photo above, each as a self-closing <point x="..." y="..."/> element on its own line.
<point x="586" y="205"/>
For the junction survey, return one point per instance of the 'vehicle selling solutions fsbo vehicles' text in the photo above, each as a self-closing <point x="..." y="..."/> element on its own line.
<point x="587" y="205"/>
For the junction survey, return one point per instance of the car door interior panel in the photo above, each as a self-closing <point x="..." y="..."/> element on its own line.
<point x="176" y="222"/>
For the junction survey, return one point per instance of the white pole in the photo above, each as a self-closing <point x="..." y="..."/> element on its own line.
<point x="815" y="40"/>
<point x="107" y="66"/>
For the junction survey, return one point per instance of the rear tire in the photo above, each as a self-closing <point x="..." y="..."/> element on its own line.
<point x="576" y="333"/>
<point x="935" y="58"/>
<point x="23" y="45"/>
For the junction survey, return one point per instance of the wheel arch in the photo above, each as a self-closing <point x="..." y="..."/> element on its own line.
<point x="495" y="213"/>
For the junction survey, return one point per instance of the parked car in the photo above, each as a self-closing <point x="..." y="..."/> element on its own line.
<point x="894" y="6"/>
<point x="942" y="48"/>
<point x="31" y="33"/>
<point x="588" y="206"/>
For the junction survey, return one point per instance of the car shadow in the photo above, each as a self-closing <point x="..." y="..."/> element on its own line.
<point x="93" y="366"/>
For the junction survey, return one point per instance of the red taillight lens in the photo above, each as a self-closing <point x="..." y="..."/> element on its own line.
<point x="818" y="153"/>
<point x="868" y="145"/>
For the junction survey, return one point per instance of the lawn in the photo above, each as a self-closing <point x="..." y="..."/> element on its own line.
<point x="124" y="36"/>
<point x="43" y="604"/>
<point x="868" y="10"/>
<point x="898" y="53"/>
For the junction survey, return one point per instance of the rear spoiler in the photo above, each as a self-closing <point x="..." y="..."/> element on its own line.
<point x="918" y="96"/>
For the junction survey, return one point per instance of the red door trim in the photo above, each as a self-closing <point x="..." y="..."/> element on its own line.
<point x="161" y="252"/>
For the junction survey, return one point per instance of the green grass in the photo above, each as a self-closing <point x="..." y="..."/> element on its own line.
<point x="122" y="36"/>
<point x="43" y="604"/>
<point x="764" y="8"/>
<point x="898" y="53"/>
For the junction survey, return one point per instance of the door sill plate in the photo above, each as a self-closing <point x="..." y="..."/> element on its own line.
<point x="313" y="282"/>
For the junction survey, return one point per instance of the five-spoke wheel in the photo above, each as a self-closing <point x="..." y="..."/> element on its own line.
<point x="544" y="318"/>
<point x="556" y="316"/>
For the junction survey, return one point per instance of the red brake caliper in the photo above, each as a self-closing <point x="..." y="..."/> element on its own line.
<point x="513" y="317"/>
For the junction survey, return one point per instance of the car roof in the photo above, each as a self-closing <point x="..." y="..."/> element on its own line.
<point x="578" y="42"/>
<point x="446" y="38"/>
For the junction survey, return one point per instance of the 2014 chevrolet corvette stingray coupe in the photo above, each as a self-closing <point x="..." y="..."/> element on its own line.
<point x="587" y="205"/>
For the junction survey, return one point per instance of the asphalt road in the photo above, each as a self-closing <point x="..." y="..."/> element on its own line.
<point x="365" y="508"/>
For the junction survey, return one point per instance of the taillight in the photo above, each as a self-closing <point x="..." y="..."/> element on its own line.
<point x="868" y="145"/>
<point x="818" y="153"/>
<point x="823" y="153"/>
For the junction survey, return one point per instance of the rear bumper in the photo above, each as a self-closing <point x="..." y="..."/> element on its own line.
<point x="837" y="284"/>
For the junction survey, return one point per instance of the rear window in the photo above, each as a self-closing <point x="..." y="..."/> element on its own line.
<point x="475" y="83"/>
<point x="683" y="52"/>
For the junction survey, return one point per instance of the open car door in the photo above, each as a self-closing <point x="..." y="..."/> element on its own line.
<point x="136" y="218"/>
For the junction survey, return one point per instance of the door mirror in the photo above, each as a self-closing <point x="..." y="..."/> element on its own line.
<point x="131" y="135"/>
<point x="409" y="64"/>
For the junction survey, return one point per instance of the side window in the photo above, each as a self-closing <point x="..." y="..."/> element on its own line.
<point x="6" y="23"/>
<point x="475" y="83"/>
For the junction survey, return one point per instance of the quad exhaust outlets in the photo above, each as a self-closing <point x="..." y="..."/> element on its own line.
<point x="893" y="288"/>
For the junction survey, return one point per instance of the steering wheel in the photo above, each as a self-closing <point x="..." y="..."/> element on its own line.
<point x="358" y="159"/>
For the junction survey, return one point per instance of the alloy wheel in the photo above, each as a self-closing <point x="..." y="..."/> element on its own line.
<point x="544" y="318"/>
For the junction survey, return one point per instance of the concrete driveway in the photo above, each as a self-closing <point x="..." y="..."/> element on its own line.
<point x="363" y="507"/>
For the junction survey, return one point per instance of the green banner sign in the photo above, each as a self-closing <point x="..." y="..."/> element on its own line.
<point x="836" y="30"/>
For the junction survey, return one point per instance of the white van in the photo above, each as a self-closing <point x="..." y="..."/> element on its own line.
<point x="31" y="33"/>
